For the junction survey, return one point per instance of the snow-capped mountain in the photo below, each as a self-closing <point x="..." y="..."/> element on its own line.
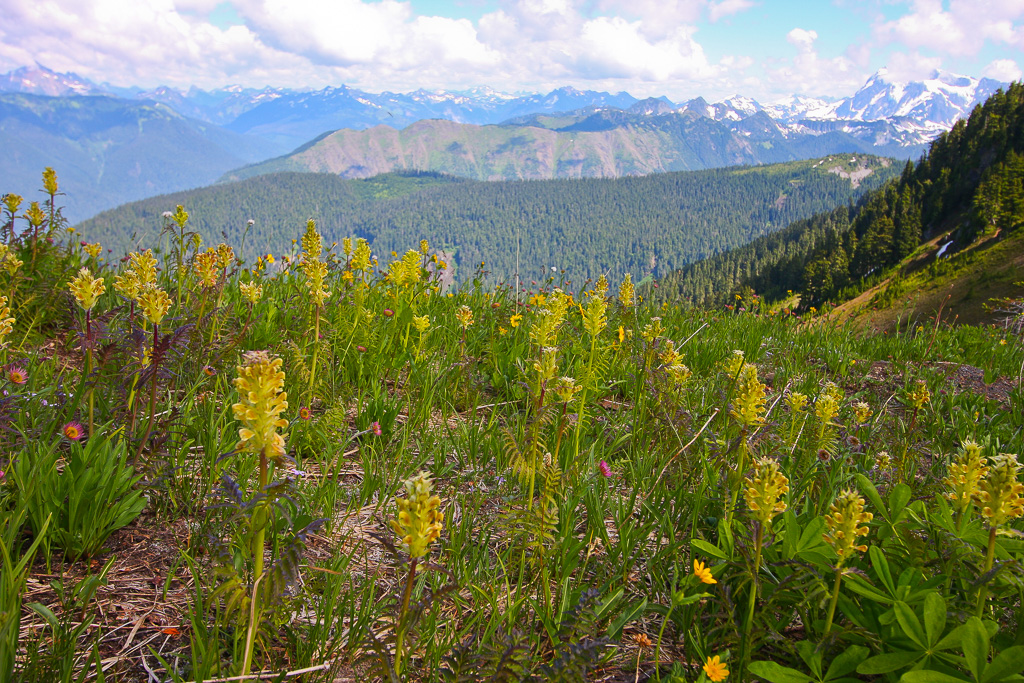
<point x="38" y="80"/>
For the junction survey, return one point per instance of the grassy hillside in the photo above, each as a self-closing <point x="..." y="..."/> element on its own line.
<point x="586" y="227"/>
<point x="608" y="144"/>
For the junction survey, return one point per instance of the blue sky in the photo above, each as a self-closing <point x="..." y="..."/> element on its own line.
<point x="766" y="49"/>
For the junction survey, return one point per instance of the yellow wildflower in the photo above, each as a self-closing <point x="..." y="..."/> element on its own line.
<point x="715" y="669"/>
<point x="421" y="323"/>
<point x="252" y="291"/>
<point x="93" y="250"/>
<point x="627" y="293"/>
<point x="515" y="320"/>
<point x="154" y="303"/>
<point x="206" y="268"/>
<point x="464" y="314"/>
<point x="6" y="321"/>
<point x="748" y="406"/>
<point x="765" y="491"/>
<point x="419" y="521"/>
<point x="87" y="289"/>
<point x="844" y="525"/>
<point x="999" y="493"/>
<point x="262" y="400"/>
<point x="965" y="474"/>
<point x="703" y="573"/>
<point x="50" y="181"/>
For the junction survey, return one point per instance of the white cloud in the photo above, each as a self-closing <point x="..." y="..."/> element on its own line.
<point x="802" y="39"/>
<point x="904" y="68"/>
<point x="961" y="30"/>
<point x="616" y="47"/>
<point x="725" y="8"/>
<point x="1003" y="70"/>
<point x="810" y="74"/>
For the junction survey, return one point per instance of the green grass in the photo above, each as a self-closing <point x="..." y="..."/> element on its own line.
<point x="545" y="568"/>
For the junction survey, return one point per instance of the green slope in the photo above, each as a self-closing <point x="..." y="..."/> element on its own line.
<point x="650" y="224"/>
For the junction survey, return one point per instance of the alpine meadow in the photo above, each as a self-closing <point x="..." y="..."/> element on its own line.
<point x="619" y="391"/>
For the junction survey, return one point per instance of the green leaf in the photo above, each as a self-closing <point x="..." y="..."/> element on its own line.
<point x="898" y="500"/>
<point x="975" y="646"/>
<point x="934" y="617"/>
<point x="927" y="676"/>
<point x="776" y="673"/>
<point x="846" y="662"/>
<point x="631" y="613"/>
<point x="910" y="624"/>
<point x="1010" y="661"/>
<point x="707" y="548"/>
<point x="871" y="493"/>
<point x="881" y="566"/>
<point x="887" y="663"/>
<point x="859" y="585"/>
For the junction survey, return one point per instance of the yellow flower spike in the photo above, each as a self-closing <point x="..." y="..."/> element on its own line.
<point x="715" y="669"/>
<point x="566" y="389"/>
<point x="50" y="181"/>
<point x="127" y="284"/>
<point x="35" y="215"/>
<point x="965" y="474"/>
<point x="734" y="363"/>
<point x="93" y="250"/>
<point x="748" y="406"/>
<point x="703" y="573"/>
<point x="87" y="289"/>
<point x="13" y="202"/>
<point x="252" y="291"/>
<point x="547" y="367"/>
<point x="464" y="314"/>
<point x="999" y="492"/>
<point x="207" y="268"/>
<point x="679" y="373"/>
<point x="765" y="490"/>
<point x="601" y="288"/>
<point x="421" y="323"/>
<point x="862" y="412"/>
<point x="826" y="407"/>
<point x="627" y="293"/>
<point x="262" y="400"/>
<point x="361" y="256"/>
<point x="312" y="243"/>
<point x="11" y="263"/>
<point x="844" y="525"/>
<point x="919" y="396"/>
<point x="225" y="256"/>
<point x="6" y="321"/>
<point x="419" y="522"/>
<point x="594" y="316"/>
<point x="424" y="247"/>
<point x="144" y="265"/>
<point x="346" y="246"/>
<point x="154" y="303"/>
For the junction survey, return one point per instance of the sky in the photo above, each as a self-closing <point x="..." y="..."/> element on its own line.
<point x="765" y="49"/>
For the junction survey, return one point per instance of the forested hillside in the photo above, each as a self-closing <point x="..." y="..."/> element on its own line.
<point x="652" y="224"/>
<point x="970" y="182"/>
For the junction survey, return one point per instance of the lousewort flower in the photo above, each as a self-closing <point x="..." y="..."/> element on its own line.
<point x="17" y="375"/>
<point x="73" y="431"/>
<point x="999" y="493"/>
<point x="965" y="473"/>
<point x="765" y="490"/>
<point x="154" y="303"/>
<point x="844" y="525"/>
<point x="260" y="385"/>
<point x="87" y="289"/>
<point x="419" y="521"/>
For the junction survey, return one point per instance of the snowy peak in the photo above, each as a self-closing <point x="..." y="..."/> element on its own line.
<point x="38" y="80"/>
<point x="938" y="101"/>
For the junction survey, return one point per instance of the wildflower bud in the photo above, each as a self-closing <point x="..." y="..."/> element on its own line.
<point x="225" y="256"/>
<point x="844" y="525"/>
<point x="206" y="268"/>
<point x="606" y="470"/>
<point x="419" y="521"/>
<point x="13" y="202"/>
<point x="796" y="402"/>
<point x="765" y="490"/>
<point x="566" y="389"/>
<point x="861" y="412"/>
<point x="312" y="243"/>
<point x="35" y="215"/>
<point x="999" y="492"/>
<point x="87" y="289"/>
<point x="594" y="320"/>
<point x="260" y="386"/>
<point x="547" y="366"/>
<point x="424" y="247"/>
<point x="6" y="321"/>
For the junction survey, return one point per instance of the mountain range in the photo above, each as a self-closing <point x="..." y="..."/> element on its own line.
<point x="91" y="133"/>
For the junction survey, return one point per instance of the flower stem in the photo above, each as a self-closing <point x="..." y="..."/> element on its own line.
<point x="835" y="600"/>
<point x="989" y="561"/>
<point x="152" y="398"/>
<point x="402" y="615"/>
<point x="316" y="349"/>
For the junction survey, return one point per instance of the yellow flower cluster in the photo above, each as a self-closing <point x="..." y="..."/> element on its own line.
<point x="87" y="289"/>
<point x="313" y="268"/>
<point x="262" y="400"/>
<point x="861" y="412"/>
<point x="180" y="216"/>
<point x="765" y="491"/>
<point x="566" y="389"/>
<point x="6" y="321"/>
<point x="827" y="406"/>
<point x="627" y="293"/>
<point x="154" y="302"/>
<point x="141" y="272"/>
<point x="919" y="395"/>
<point x="8" y="261"/>
<point x="547" y="367"/>
<point x="361" y="256"/>
<point x="999" y="493"/>
<point x="421" y="323"/>
<point x="748" y="407"/>
<point x="407" y="270"/>
<point x="464" y="314"/>
<point x="844" y="525"/>
<point x="93" y="250"/>
<point x="419" y="522"/>
<point x="35" y="215"/>
<point x="50" y="181"/>
<point x="965" y="473"/>
<point x="252" y="291"/>
<point x="594" y="316"/>
<point x="207" y="269"/>
<point x="796" y="402"/>
<point x="226" y="256"/>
